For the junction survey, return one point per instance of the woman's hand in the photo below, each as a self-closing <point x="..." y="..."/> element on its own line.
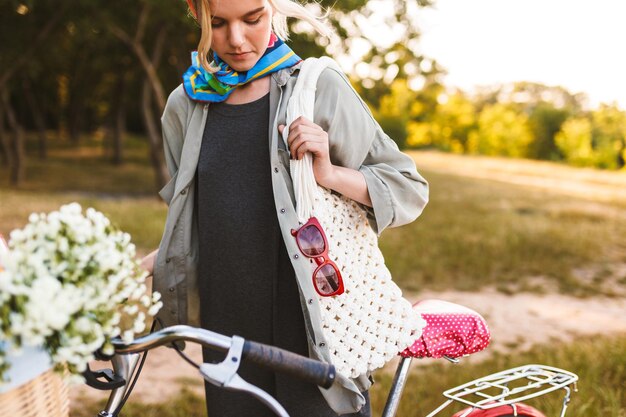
<point x="147" y="262"/>
<point x="306" y="136"/>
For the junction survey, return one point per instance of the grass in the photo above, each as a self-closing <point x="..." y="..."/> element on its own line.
<point x="474" y="233"/>
<point x="600" y="364"/>
<point x="143" y="217"/>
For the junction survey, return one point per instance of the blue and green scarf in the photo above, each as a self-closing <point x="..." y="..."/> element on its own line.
<point x="201" y="85"/>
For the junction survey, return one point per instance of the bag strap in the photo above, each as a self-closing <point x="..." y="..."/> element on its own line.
<point x="302" y="103"/>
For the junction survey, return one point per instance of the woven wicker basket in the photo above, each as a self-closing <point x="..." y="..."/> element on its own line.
<point x="47" y="395"/>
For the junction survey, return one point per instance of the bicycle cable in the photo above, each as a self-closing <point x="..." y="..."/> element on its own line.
<point x="135" y="375"/>
<point x="184" y="356"/>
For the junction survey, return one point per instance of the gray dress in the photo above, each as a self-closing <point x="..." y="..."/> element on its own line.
<point x="246" y="282"/>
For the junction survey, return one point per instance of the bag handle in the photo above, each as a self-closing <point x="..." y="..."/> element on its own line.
<point x="302" y="103"/>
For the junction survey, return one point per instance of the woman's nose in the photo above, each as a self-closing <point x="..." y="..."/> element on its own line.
<point x="236" y="36"/>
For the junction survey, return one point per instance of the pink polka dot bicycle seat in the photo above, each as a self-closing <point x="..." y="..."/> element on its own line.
<point x="451" y="330"/>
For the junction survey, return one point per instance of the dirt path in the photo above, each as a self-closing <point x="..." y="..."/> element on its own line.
<point x="516" y="322"/>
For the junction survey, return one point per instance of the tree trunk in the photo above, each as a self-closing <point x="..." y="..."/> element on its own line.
<point x="5" y="149"/>
<point x="154" y="136"/>
<point x="118" y="122"/>
<point x="148" y="65"/>
<point x="38" y="117"/>
<point x="17" y="150"/>
<point x="150" y="121"/>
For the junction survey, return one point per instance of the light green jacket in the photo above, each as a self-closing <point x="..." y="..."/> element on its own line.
<point x="397" y="191"/>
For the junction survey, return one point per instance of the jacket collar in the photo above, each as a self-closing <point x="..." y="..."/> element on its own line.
<point x="282" y="76"/>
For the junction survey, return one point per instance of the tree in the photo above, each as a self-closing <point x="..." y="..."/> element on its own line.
<point x="574" y="140"/>
<point x="609" y="136"/>
<point x="393" y="113"/>
<point x="544" y="122"/>
<point x="448" y="128"/>
<point x="501" y="131"/>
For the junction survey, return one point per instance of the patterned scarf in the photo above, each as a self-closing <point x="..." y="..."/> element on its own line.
<point x="201" y="85"/>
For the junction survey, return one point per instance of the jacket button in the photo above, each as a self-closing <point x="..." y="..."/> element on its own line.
<point x="296" y="256"/>
<point x="282" y="210"/>
<point x="183" y="192"/>
<point x="172" y="289"/>
<point x="310" y="301"/>
<point x="276" y="169"/>
<point x="322" y="344"/>
<point x="168" y="260"/>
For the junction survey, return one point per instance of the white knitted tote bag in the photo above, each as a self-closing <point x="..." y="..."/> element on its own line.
<point x="370" y="322"/>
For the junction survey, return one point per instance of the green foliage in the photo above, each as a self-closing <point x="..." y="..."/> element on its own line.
<point x="574" y="140"/>
<point x="521" y="120"/>
<point x="501" y="131"/>
<point x="449" y="128"/>
<point x="545" y="121"/>
<point x="597" y="139"/>
<point x="609" y="136"/>
<point x="393" y="112"/>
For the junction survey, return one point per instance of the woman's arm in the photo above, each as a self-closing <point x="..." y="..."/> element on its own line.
<point x="147" y="262"/>
<point x="347" y="137"/>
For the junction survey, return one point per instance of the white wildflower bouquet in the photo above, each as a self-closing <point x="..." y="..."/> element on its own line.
<point x="71" y="283"/>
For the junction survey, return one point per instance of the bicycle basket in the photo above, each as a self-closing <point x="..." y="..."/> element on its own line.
<point x="45" y="395"/>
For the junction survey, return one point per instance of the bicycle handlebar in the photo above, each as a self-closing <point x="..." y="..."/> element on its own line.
<point x="271" y="357"/>
<point x="310" y="370"/>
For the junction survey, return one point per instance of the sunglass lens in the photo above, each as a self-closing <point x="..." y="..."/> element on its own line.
<point x="311" y="241"/>
<point x="327" y="280"/>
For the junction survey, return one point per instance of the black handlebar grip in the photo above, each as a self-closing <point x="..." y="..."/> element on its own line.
<point x="310" y="370"/>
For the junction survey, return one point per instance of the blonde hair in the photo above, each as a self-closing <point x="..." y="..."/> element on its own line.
<point x="283" y="10"/>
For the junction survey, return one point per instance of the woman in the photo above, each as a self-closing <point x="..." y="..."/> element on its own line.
<point x="227" y="260"/>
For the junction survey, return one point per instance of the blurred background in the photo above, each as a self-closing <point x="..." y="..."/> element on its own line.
<point x="514" y="112"/>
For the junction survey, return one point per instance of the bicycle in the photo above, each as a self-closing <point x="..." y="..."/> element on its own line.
<point x="496" y="395"/>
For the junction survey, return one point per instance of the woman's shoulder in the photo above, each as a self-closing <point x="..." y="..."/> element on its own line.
<point x="333" y="87"/>
<point x="178" y="100"/>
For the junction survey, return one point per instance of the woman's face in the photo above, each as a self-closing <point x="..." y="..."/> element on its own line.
<point x="241" y="31"/>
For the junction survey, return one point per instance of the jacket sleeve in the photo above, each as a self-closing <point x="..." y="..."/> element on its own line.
<point x="398" y="192"/>
<point x="174" y="124"/>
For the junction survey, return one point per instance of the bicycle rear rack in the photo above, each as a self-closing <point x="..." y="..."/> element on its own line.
<point x="510" y="387"/>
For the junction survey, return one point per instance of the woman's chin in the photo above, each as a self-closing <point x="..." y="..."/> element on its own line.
<point x="241" y="65"/>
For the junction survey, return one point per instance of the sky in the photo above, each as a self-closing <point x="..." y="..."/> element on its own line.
<point x="580" y="45"/>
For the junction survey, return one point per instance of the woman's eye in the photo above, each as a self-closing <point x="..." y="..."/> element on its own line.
<point x="217" y="24"/>
<point x="254" y="22"/>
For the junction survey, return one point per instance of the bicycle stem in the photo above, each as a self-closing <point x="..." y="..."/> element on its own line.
<point x="399" y="381"/>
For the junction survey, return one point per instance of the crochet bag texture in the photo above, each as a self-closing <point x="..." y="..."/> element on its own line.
<point x="370" y="322"/>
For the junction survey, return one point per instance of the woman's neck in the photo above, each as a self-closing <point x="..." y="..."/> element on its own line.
<point x="250" y="92"/>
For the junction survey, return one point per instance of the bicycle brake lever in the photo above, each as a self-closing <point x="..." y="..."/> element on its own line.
<point x="92" y="378"/>
<point x="224" y="374"/>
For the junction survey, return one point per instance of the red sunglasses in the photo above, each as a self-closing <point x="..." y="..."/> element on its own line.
<point x="192" y="7"/>
<point x="313" y="244"/>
